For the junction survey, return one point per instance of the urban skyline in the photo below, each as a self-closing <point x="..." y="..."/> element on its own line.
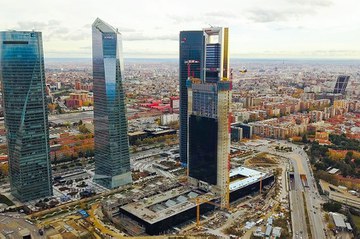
<point x="184" y="138"/>
<point x="309" y="29"/>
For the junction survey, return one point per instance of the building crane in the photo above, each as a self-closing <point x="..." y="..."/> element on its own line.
<point x="198" y="202"/>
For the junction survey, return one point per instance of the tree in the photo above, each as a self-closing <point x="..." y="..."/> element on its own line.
<point x="332" y="206"/>
<point x="331" y="226"/>
<point x="83" y="129"/>
<point x="327" y="217"/>
<point x="304" y="139"/>
<point x="4" y="169"/>
<point x="349" y="155"/>
<point x="51" y="107"/>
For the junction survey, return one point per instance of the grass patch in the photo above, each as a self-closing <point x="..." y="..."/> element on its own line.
<point x="5" y="200"/>
<point x="356" y="220"/>
<point x="262" y="158"/>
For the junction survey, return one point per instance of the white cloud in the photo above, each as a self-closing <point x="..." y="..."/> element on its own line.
<point x="151" y="28"/>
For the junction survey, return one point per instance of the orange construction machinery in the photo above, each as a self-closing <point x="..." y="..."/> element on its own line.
<point x="200" y="200"/>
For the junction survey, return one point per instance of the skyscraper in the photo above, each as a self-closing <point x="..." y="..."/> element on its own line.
<point x="341" y="84"/>
<point x="209" y="99"/>
<point x="112" y="160"/>
<point x="191" y="49"/>
<point x="23" y="81"/>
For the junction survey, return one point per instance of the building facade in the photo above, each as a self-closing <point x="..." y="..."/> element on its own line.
<point x="112" y="159"/>
<point x="191" y="48"/>
<point x="208" y="116"/>
<point x="23" y="81"/>
<point x="341" y="84"/>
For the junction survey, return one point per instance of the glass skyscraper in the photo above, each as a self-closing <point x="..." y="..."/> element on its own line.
<point x="191" y="48"/>
<point x="23" y="83"/>
<point x="112" y="159"/>
<point x="341" y="84"/>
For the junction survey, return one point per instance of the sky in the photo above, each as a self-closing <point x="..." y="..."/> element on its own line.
<point x="150" y="28"/>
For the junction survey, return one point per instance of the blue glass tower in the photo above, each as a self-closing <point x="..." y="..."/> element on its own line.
<point x="23" y="82"/>
<point x="112" y="160"/>
<point x="191" y="48"/>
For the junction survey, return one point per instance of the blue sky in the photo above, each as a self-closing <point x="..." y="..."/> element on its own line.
<point x="150" y="28"/>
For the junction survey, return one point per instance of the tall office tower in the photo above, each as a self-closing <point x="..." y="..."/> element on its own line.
<point x="341" y="84"/>
<point x="209" y="100"/>
<point x="23" y="82"/>
<point x="191" y="50"/>
<point x="112" y="160"/>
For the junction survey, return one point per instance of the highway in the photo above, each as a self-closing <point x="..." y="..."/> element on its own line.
<point x="298" y="214"/>
<point x="300" y="162"/>
<point x="312" y="197"/>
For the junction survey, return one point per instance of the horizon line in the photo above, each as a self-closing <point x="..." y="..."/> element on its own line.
<point x="257" y="58"/>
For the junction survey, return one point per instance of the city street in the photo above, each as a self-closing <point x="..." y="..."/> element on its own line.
<point x="299" y="159"/>
<point x="298" y="214"/>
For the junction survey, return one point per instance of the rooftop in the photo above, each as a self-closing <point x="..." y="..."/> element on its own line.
<point x="103" y="26"/>
<point x="338" y="220"/>
<point x="161" y="206"/>
<point x="251" y="176"/>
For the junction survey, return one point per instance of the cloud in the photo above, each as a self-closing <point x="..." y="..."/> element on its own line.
<point x="221" y="14"/>
<point x="53" y="29"/>
<point x="29" y="25"/>
<point x="61" y="30"/>
<point x="319" y="3"/>
<point x="180" y="19"/>
<point x="146" y="53"/>
<point x="141" y="37"/>
<point x="288" y="10"/>
<point x="87" y="26"/>
<point x="277" y="15"/>
<point x="85" y="47"/>
<point x="77" y="35"/>
<point x="126" y="29"/>
<point x="331" y="53"/>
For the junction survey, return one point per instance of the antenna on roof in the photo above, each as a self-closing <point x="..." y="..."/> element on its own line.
<point x="210" y="25"/>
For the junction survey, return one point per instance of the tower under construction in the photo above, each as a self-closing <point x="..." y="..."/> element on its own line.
<point x="208" y="124"/>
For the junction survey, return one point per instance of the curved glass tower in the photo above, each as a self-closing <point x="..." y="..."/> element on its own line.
<point x="112" y="160"/>
<point x="23" y="82"/>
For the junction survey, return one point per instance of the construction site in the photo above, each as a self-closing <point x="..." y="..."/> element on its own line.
<point x="210" y="182"/>
<point x="167" y="211"/>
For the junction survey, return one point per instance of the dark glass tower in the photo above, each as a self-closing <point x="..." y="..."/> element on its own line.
<point x="191" y="48"/>
<point x="341" y="84"/>
<point x="23" y="83"/>
<point x="112" y="160"/>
